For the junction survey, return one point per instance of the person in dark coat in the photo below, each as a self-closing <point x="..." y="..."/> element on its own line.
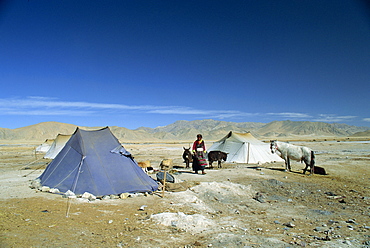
<point x="199" y="155"/>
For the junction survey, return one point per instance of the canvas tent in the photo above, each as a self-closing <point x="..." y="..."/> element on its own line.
<point x="44" y="147"/>
<point x="57" y="146"/>
<point x="95" y="162"/>
<point x="244" y="148"/>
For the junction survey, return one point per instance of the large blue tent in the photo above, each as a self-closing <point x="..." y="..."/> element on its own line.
<point x="95" y="162"/>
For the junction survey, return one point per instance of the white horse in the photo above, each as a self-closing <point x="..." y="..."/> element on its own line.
<point x="299" y="153"/>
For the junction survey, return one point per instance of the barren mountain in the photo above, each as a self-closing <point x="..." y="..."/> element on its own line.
<point x="6" y="133"/>
<point x="299" y="128"/>
<point x="46" y="130"/>
<point x="361" y="134"/>
<point x="212" y="129"/>
<point x="187" y="130"/>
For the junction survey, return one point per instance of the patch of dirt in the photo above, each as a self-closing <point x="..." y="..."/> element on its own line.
<point x="239" y="205"/>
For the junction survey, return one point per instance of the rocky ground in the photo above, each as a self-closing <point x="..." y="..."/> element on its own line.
<point x="239" y="205"/>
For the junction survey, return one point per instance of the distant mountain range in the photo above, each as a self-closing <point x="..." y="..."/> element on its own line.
<point x="187" y="130"/>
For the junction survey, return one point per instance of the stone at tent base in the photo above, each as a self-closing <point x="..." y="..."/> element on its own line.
<point x="124" y="195"/>
<point x="45" y="189"/>
<point x="114" y="197"/>
<point x="36" y="184"/>
<point x="70" y="194"/>
<point x="137" y="195"/>
<point x="88" y="196"/>
<point x="54" y="191"/>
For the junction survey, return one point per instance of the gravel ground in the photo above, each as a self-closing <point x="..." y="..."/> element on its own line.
<point x="239" y="205"/>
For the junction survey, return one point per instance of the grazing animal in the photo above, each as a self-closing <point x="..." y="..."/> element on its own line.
<point x="187" y="156"/>
<point x="298" y="153"/>
<point x="216" y="156"/>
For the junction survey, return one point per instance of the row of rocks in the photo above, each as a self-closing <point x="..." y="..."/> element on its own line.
<point x="35" y="184"/>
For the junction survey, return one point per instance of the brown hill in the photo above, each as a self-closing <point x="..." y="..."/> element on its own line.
<point x="301" y="128"/>
<point x="187" y="130"/>
<point x="6" y="134"/>
<point x="43" y="131"/>
<point x="361" y="134"/>
<point x="211" y="129"/>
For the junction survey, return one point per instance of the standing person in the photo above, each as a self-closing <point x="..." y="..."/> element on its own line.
<point x="199" y="158"/>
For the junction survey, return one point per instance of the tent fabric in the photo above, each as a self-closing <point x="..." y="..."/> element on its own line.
<point x="88" y="163"/>
<point x="244" y="148"/>
<point x="57" y="146"/>
<point x="44" y="147"/>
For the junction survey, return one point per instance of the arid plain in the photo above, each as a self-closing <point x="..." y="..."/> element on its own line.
<point x="239" y="205"/>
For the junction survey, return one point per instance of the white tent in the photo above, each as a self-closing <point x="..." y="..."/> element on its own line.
<point x="44" y="147"/>
<point x="57" y="146"/>
<point x="244" y="148"/>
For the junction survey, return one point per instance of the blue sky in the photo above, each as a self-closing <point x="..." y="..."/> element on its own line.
<point x="151" y="63"/>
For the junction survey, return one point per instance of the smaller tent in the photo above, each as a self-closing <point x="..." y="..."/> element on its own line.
<point x="95" y="162"/>
<point x="244" y="148"/>
<point x="57" y="146"/>
<point x="44" y="147"/>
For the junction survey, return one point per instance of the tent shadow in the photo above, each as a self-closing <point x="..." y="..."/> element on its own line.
<point x="178" y="167"/>
<point x="182" y="169"/>
<point x="254" y="167"/>
<point x="283" y="170"/>
<point x="296" y="172"/>
<point x="187" y="171"/>
<point x="277" y="169"/>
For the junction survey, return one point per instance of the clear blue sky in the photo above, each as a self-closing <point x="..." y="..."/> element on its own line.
<point x="151" y="63"/>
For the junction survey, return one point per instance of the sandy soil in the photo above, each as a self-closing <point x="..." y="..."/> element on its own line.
<point x="237" y="206"/>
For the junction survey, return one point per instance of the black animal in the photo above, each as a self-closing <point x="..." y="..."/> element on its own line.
<point x="216" y="156"/>
<point x="187" y="156"/>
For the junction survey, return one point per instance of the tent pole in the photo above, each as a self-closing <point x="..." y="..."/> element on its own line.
<point x="164" y="183"/>
<point x="74" y="186"/>
<point x="68" y="207"/>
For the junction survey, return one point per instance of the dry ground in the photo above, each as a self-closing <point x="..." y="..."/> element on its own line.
<point x="237" y="206"/>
